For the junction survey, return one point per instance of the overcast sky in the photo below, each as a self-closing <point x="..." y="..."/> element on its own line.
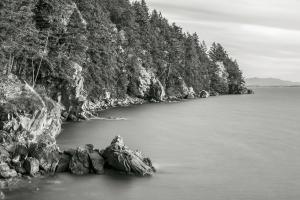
<point x="263" y="35"/>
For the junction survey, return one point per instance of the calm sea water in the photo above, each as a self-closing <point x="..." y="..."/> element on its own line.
<point x="220" y="148"/>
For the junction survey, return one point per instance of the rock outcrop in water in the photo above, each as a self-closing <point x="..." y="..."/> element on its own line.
<point x="29" y="124"/>
<point x="117" y="156"/>
<point x="120" y="157"/>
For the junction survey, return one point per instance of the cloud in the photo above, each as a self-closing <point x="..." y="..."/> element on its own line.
<point x="264" y="35"/>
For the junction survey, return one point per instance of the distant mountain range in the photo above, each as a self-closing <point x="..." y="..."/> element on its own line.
<point x="269" y="82"/>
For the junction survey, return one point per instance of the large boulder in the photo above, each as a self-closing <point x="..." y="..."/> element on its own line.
<point x="120" y="157"/>
<point x="80" y="163"/>
<point x="96" y="160"/>
<point x="204" y="94"/>
<point x="31" y="166"/>
<point x="191" y="93"/>
<point x="64" y="162"/>
<point x="48" y="156"/>
<point x="6" y="171"/>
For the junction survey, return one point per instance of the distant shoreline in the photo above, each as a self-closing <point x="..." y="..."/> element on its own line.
<point x="276" y="86"/>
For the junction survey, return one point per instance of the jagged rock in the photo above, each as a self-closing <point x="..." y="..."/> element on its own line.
<point x="80" y="163"/>
<point x="19" y="168"/>
<point x="179" y="89"/>
<point x="4" y="155"/>
<point x="64" y="162"/>
<point x="21" y="151"/>
<point x="6" y="172"/>
<point x="120" y="157"/>
<point x="97" y="162"/>
<point x="48" y="156"/>
<point x="204" y="94"/>
<point x="147" y="85"/>
<point x="25" y="115"/>
<point x="31" y="166"/>
<point x="191" y="93"/>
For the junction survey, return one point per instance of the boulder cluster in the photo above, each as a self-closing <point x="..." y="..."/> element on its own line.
<point x="37" y="159"/>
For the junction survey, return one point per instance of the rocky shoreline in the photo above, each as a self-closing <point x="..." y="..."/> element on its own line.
<point x="30" y="122"/>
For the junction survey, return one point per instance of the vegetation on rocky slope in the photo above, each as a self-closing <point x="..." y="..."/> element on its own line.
<point x="70" y="58"/>
<point x="87" y="52"/>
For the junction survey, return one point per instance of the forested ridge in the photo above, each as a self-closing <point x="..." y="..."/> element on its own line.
<point x="109" y="49"/>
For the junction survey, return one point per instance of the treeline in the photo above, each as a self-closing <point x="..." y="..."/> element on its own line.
<point x="110" y="39"/>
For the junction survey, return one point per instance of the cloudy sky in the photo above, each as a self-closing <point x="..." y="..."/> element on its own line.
<point x="263" y="35"/>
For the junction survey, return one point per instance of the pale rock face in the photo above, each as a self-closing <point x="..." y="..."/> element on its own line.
<point x="147" y="82"/>
<point x="74" y="97"/>
<point x="26" y="116"/>
<point x="222" y="71"/>
<point x="191" y="93"/>
<point x="78" y="81"/>
<point x="144" y="80"/>
<point x="187" y="92"/>
<point x="6" y="172"/>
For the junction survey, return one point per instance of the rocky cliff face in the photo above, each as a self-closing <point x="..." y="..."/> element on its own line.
<point x="69" y="87"/>
<point x="179" y="89"/>
<point x="147" y="86"/>
<point x="29" y="124"/>
<point x="222" y="73"/>
<point x="26" y="115"/>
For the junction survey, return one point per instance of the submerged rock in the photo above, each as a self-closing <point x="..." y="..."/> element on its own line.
<point x="120" y="157"/>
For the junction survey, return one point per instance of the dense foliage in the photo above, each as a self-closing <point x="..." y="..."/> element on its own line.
<point x="110" y="39"/>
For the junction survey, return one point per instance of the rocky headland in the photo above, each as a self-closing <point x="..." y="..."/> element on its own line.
<point x="69" y="60"/>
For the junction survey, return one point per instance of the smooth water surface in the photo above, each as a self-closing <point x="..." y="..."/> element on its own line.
<point x="220" y="148"/>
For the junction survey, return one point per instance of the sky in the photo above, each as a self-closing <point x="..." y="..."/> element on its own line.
<point x="263" y="35"/>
